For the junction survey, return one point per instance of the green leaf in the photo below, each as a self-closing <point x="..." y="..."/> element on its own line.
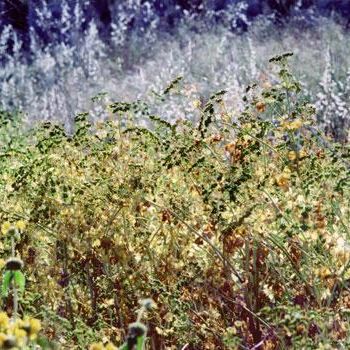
<point x="140" y="342"/>
<point x="19" y="280"/>
<point x="6" y="281"/>
<point x="172" y="85"/>
<point x="46" y="344"/>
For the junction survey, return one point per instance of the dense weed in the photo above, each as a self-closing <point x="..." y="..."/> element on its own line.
<point x="234" y="223"/>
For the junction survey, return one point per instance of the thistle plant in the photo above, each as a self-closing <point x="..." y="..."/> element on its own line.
<point x="13" y="278"/>
<point x="15" y="333"/>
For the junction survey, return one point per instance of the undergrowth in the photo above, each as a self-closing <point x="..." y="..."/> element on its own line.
<point x="236" y="225"/>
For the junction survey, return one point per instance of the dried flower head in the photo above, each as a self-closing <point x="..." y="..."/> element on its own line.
<point x="148" y="304"/>
<point x="261" y="106"/>
<point x="14" y="264"/>
<point x="136" y="329"/>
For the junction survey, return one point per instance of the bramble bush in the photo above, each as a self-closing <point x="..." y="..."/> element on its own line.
<point x="236" y="225"/>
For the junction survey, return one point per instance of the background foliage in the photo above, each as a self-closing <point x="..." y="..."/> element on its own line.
<point x="55" y="55"/>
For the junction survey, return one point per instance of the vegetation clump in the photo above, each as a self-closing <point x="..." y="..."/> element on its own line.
<point x="235" y="225"/>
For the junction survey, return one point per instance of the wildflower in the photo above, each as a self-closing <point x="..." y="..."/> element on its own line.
<point x="302" y="153"/>
<point x="96" y="346"/>
<point x="4" y="320"/>
<point x="35" y="326"/>
<point x="292" y="125"/>
<point x="292" y="155"/>
<point x="6" y="227"/>
<point x="323" y="272"/>
<point x="282" y="180"/>
<point x="21" y="225"/>
<point x="110" y="346"/>
<point x="21" y="335"/>
<point x="96" y="243"/>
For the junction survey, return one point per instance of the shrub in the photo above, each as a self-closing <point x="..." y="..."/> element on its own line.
<point x="234" y="224"/>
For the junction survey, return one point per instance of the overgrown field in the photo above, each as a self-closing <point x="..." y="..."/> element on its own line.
<point x="235" y="225"/>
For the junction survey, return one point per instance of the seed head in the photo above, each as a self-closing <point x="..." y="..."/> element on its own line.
<point x="137" y="329"/>
<point x="14" y="264"/>
<point x="148" y="304"/>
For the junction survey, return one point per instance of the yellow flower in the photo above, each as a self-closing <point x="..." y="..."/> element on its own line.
<point x="2" y="339"/>
<point x="6" y="227"/>
<point x="323" y="272"/>
<point x="35" y="326"/>
<point x="96" y="346"/>
<point x="4" y="320"/>
<point x="302" y="153"/>
<point x="21" y="335"/>
<point x="292" y="155"/>
<point x="21" y="225"/>
<point x="294" y="125"/>
<point x="96" y="243"/>
<point x="110" y="346"/>
<point x="282" y="180"/>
